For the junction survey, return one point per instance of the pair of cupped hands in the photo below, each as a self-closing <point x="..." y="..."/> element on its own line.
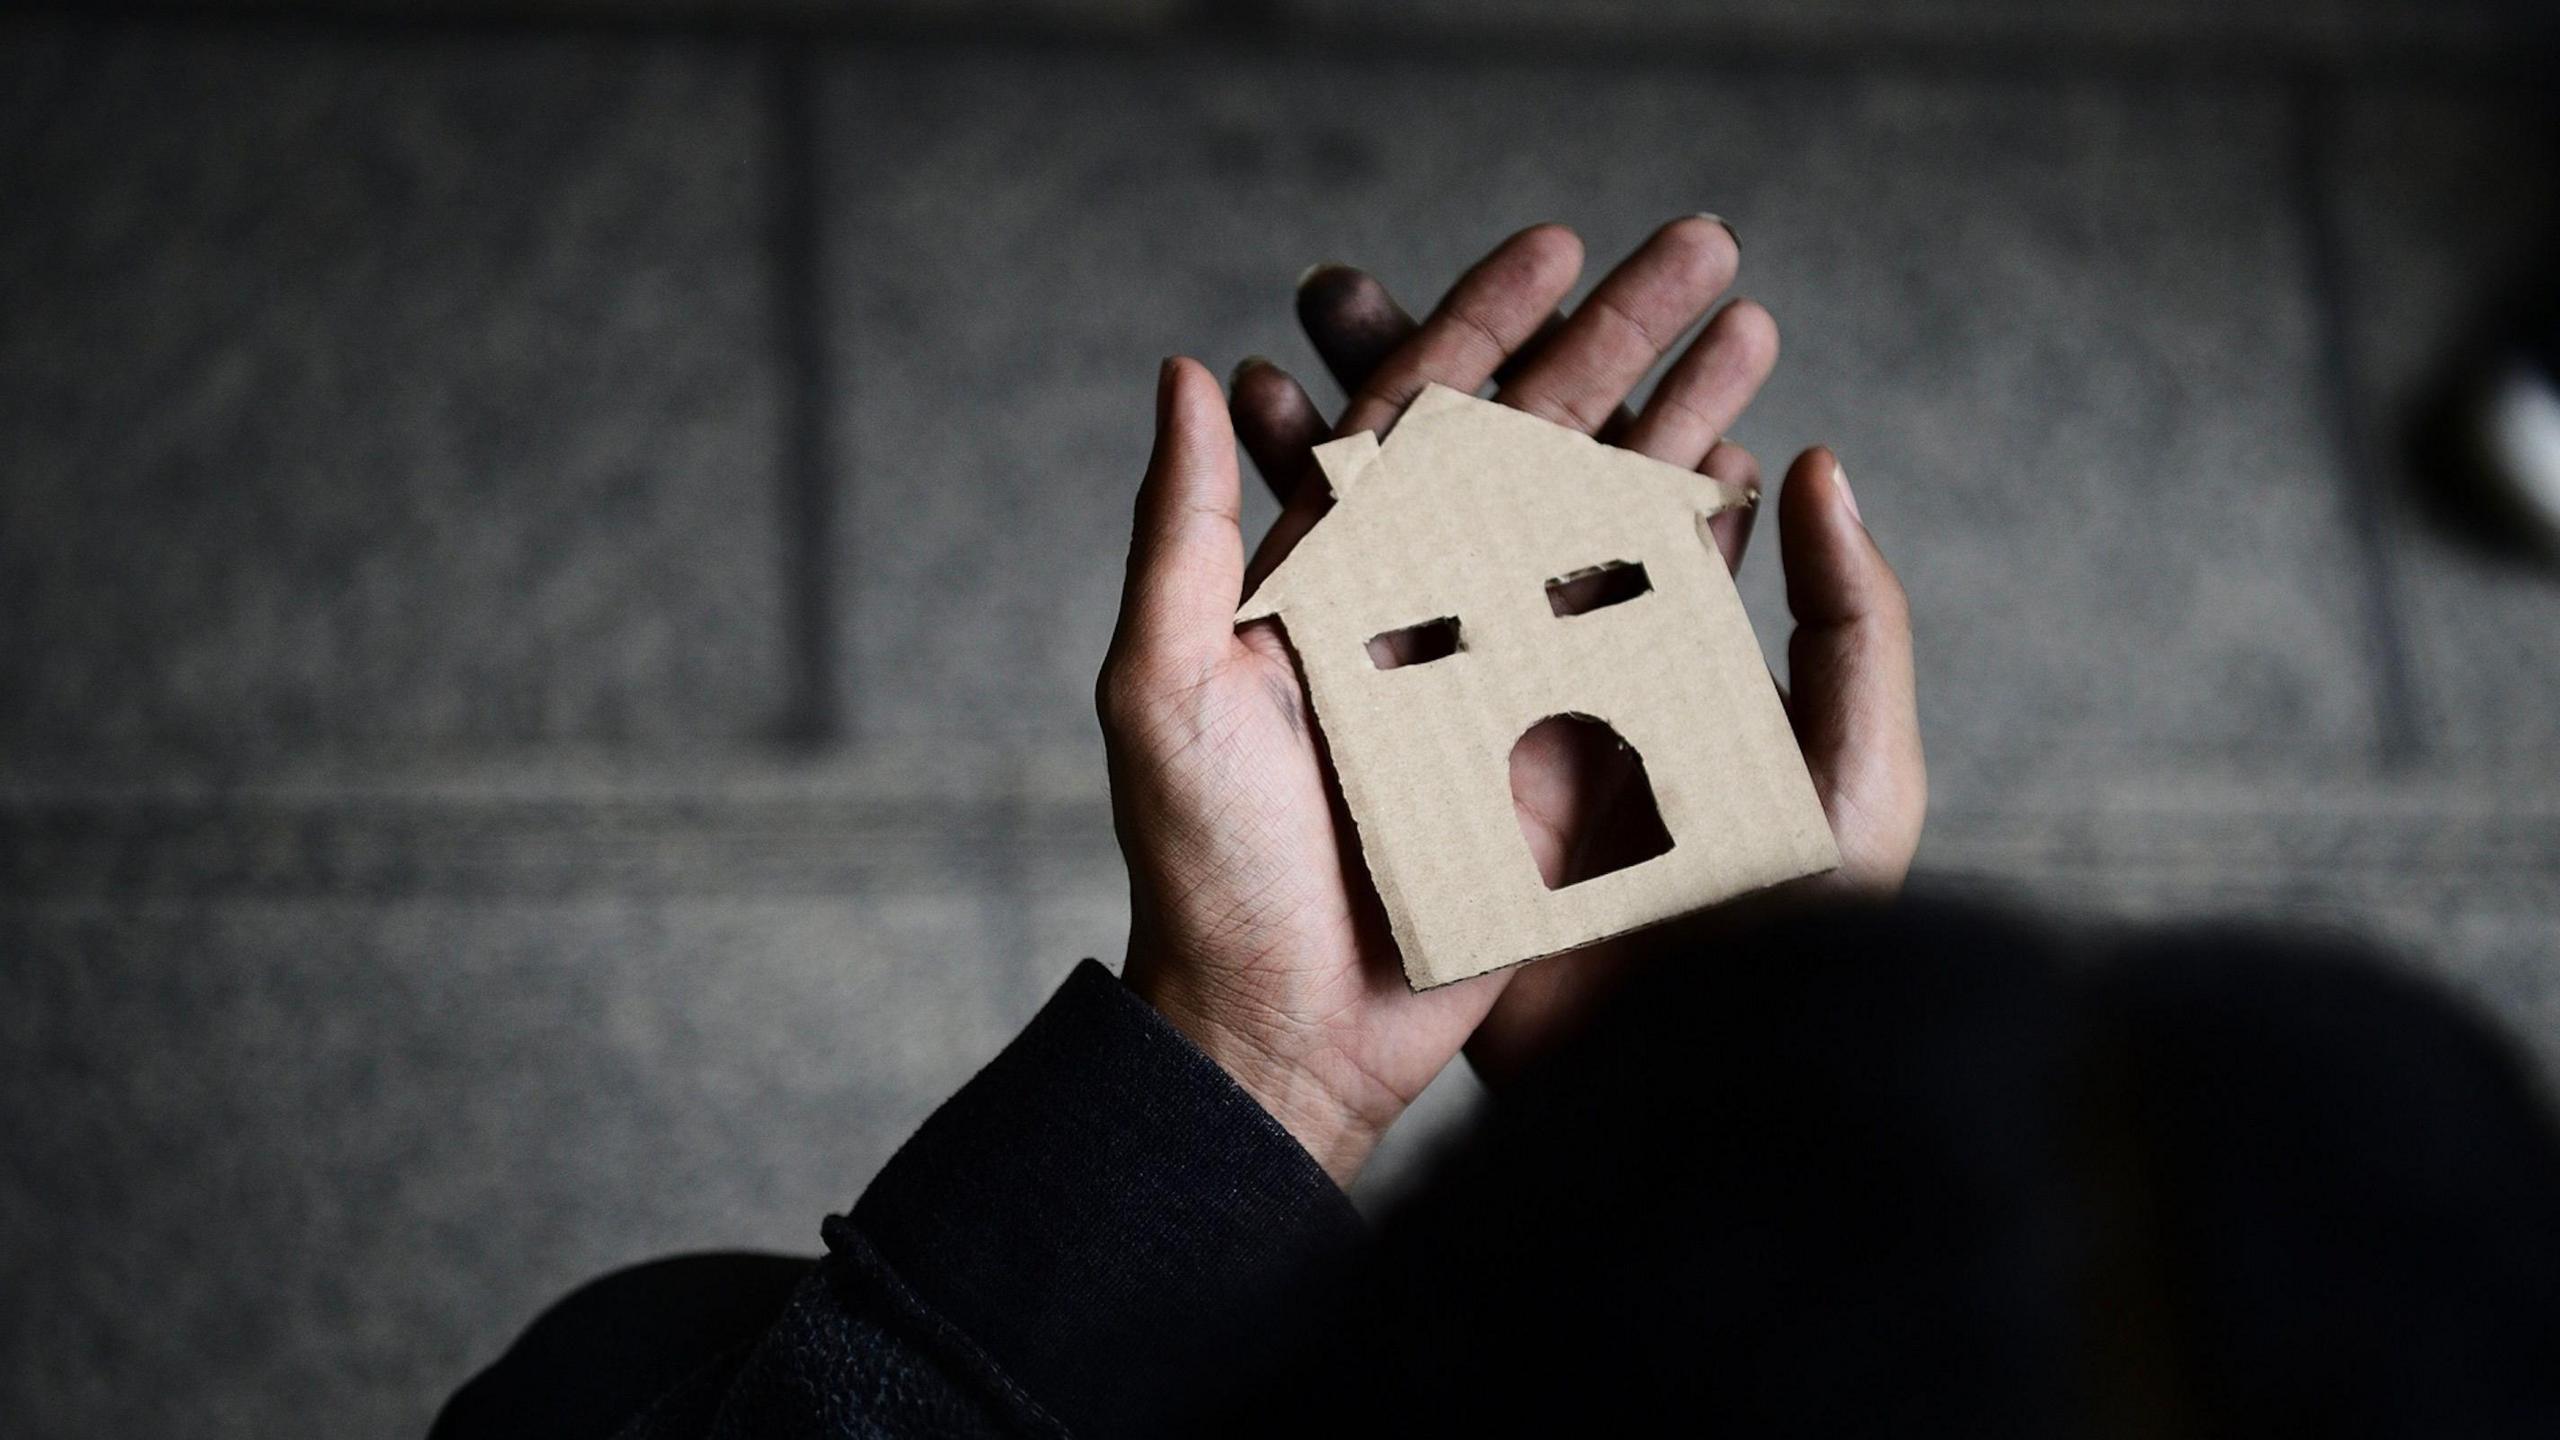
<point x="1253" y="927"/>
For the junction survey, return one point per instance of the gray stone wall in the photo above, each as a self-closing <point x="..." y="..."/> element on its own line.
<point x="552" y="557"/>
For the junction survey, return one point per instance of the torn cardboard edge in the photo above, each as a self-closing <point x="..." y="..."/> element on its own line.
<point x="1476" y="545"/>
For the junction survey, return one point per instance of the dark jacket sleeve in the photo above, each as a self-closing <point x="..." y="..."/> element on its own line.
<point x="1080" y="1241"/>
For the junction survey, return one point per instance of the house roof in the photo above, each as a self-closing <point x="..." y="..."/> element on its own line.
<point x="1442" y="455"/>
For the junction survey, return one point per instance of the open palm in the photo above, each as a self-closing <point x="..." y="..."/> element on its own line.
<point x="1253" y="927"/>
<point x="1250" y="926"/>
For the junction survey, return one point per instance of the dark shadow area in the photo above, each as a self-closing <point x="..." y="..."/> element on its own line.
<point x="1978" y="1176"/>
<point x="591" y="1361"/>
<point x="1598" y="588"/>
<point x="2446" y="460"/>
<point x="1415" y="644"/>
<point x="2442" y="449"/>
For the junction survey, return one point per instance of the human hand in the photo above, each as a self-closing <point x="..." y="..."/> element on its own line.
<point x="1253" y="926"/>
<point x="1850" y="656"/>
<point x="1249" y="929"/>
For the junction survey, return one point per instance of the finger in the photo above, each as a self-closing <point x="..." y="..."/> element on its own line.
<point x="1288" y="428"/>
<point x="1628" y="321"/>
<point x="1547" y="331"/>
<point x="1296" y="518"/>
<point x="1708" y="387"/>
<point x="1492" y="310"/>
<point x="1186" y="559"/>
<point x="1544" y="1004"/>
<point x="1276" y="422"/>
<point x="1733" y="465"/>
<point x="1527" y="355"/>
<point x="1850" y="666"/>
<point x="1352" y="321"/>
<point x="1836" y="578"/>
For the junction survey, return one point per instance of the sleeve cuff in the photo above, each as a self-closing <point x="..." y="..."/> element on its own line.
<point x="1105" y="1211"/>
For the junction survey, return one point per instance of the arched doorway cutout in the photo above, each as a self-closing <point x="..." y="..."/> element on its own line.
<point x="1585" y="806"/>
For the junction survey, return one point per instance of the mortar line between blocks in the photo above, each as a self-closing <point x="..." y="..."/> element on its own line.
<point x="811" y="448"/>
<point x="2313" y="111"/>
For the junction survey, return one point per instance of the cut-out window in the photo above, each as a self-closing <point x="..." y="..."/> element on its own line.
<point x="1584" y="805"/>
<point x="1598" y="588"/>
<point x="1415" y="644"/>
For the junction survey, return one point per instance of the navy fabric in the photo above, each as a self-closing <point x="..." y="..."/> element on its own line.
<point x="1105" y="1210"/>
<point x="1081" y="1240"/>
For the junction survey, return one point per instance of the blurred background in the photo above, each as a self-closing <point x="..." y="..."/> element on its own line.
<point x="552" y="555"/>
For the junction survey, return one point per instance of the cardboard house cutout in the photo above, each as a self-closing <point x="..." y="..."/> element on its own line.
<point x="1453" y="545"/>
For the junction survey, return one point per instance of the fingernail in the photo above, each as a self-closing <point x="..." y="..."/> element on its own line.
<point x="1318" y="268"/>
<point x="1164" y="382"/>
<point x="1840" y="477"/>
<point x="1727" y="224"/>
<point x="1237" y="374"/>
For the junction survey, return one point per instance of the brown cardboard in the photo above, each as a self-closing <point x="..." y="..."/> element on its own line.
<point x="1466" y="513"/>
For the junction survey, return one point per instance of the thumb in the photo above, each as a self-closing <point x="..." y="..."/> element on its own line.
<point x="1852" y="690"/>
<point x="1186" y="555"/>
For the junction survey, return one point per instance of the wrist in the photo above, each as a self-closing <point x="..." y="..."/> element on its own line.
<point x="1288" y="1079"/>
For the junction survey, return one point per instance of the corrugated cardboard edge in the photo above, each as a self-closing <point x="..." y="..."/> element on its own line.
<point x="1484" y="501"/>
